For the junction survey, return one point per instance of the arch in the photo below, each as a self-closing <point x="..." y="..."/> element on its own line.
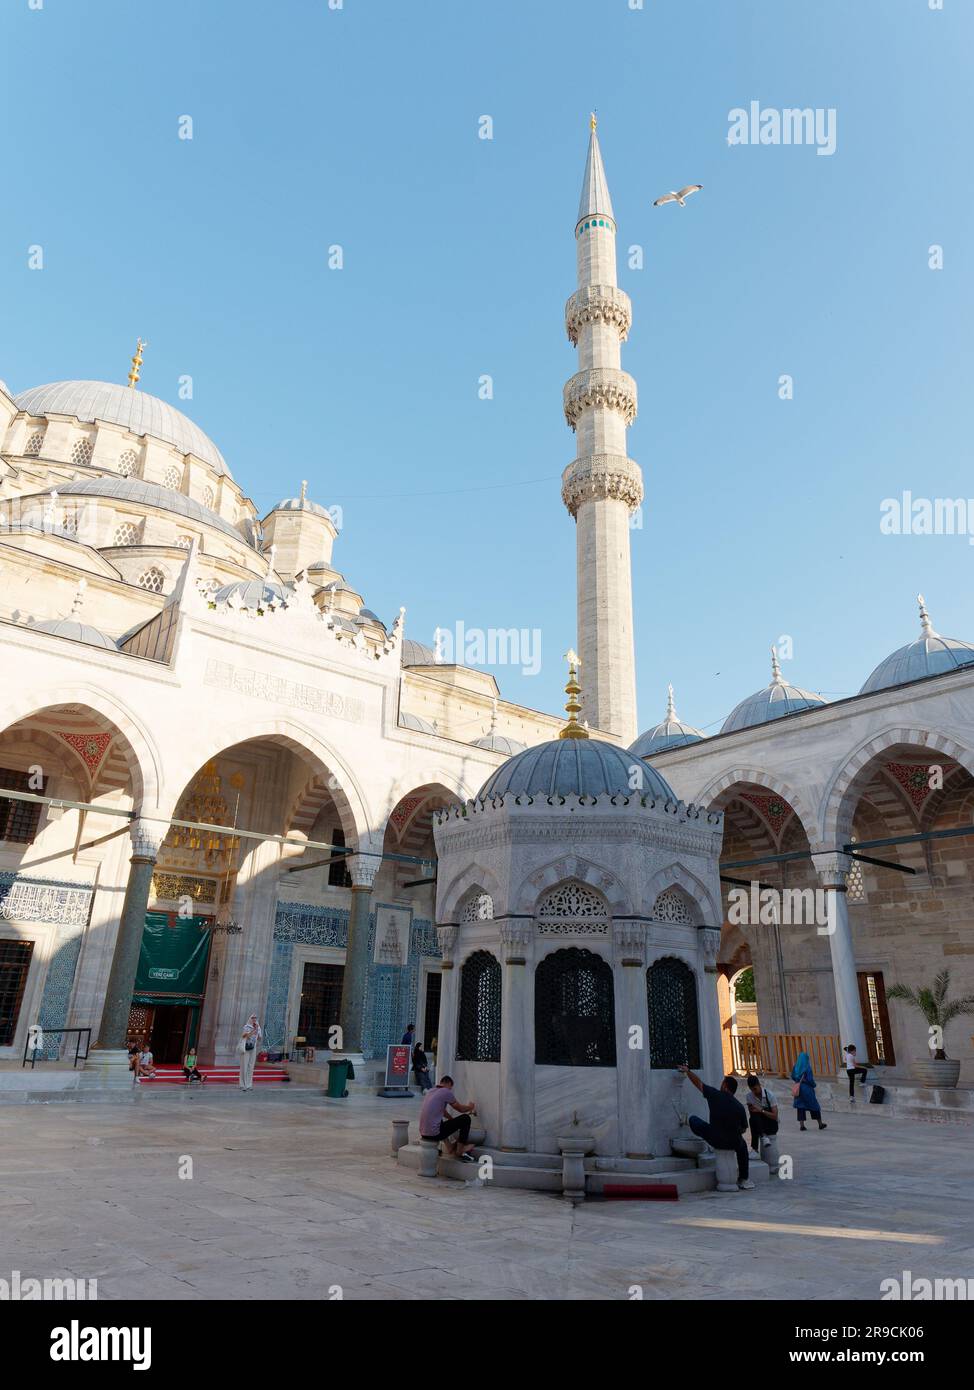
<point x="479" y="1018"/>
<point x="348" y="795"/>
<point x="675" y="875"/>
<point x="572" y="866"/>
<point x="574" y="1010"/>
<point x="142" y="753"/>
<point x="473" y="877"/>
<point x="845" y="787"/>
<point x="713" y="796"/>
<point x="674" y="1016"/>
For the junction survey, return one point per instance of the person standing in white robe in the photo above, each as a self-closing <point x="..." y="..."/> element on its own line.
<point x="247" y="1047"/>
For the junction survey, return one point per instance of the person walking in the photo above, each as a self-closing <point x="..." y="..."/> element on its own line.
<point x="247" y="1047"/>
<point x="853" y="1068"/>
<point x="803" y="1091"/>
<point x="727" y="1122"/>
<point x="762" y="1109"/>
<point x="421" y="1068"/>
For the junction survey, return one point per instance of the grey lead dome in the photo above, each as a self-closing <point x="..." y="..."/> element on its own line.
<point x="576" y="767"/>
<point x="135" y="411"/>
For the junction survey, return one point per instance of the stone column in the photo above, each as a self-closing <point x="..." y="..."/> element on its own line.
<point x="832" y="869"/>
<point x="708" y="1006"/>
<point x="632" y="1063"/>
<point x="446" y="1037"/>
<point x="363" y="869"/>
<point x="109" y="1060"/>
<point x="517" y="1041"/>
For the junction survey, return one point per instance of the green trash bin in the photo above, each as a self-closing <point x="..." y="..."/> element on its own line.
<point x="337" y="1078"/>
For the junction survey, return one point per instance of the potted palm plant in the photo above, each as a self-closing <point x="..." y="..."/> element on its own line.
<point x="939" y="1069"/>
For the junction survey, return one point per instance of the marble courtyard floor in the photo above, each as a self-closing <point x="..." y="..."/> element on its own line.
<point x="293" y="1195"/>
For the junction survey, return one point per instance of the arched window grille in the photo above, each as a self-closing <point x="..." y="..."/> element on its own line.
<point x="479" y="907"/>
<point x="572" y="909"/>
<point x="479" y="1022"/>
<point x="574" y="1010"/>
<point x="126" y="533"/>
<point x="671" y="906"/>
<point x="152" y="579"/>
<point x="127" y="462"/>
<point x="674" y="1031"/>
<point x="172" y="478"/>
<point x="82" y="451"/>
<point x="33" y="445"/>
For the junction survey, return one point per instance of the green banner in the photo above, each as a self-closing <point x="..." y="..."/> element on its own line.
<point x="172" y="961"/>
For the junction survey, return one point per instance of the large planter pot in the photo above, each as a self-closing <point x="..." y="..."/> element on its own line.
<point x="930" y="1072"/>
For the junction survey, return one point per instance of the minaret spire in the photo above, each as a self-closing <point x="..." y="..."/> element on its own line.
<point x="603" y="485"/>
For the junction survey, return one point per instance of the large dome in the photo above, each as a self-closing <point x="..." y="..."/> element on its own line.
<point x="575" y="767"/>
<point x="777" y="699"/>
<point x="929" y="655"/>
<point x="670" y="733"/>
<point x="122" y="405"/>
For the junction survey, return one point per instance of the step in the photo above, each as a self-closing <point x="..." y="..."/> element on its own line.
<point x="543" y="1172"/>
<point x="171" y="1075"/>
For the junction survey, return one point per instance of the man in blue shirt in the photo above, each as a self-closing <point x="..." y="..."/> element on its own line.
<point x="728" y="1121"/>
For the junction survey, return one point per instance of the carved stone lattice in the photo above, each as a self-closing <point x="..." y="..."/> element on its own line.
<point x="671" y="906"/>
<point x="674" y="1032"/>
<point x="479" y="907"/>
<point x="479" y="1019"/>
<point x="573" y="900"/>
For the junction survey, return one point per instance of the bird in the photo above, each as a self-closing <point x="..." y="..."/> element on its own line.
<point x="680" y="197"/>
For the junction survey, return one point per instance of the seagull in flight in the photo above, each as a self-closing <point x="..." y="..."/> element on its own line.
<point x="680" y="197"/>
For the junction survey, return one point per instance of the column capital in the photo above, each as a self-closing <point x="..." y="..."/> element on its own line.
<point x="515" y="939"/>
<point x="362" y="869"/>
<point x="709" y="939"/>
<point x="147" y="837"/>
<point x="629" y="942"/>
<point x="447" y="937"/>
<point x="832" y="867"/>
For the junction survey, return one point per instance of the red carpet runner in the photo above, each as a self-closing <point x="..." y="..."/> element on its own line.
<point x="264" y="1074"/>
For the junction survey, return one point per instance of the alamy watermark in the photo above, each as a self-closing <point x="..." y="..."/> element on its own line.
<point x="492" y="646"/>
<point x="789" y="125"/>
<point x="907" y="515"/>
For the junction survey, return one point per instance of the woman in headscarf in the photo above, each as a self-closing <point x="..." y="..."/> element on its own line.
<point x="247" y="1047"/>
<point x="804" y="1091"/>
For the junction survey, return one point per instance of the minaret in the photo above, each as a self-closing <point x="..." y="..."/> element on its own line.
<point x="603" y="485"/>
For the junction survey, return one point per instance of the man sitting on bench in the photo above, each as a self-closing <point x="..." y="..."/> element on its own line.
<point x="727" y="1124"/>
<point x="434" y="1126"/>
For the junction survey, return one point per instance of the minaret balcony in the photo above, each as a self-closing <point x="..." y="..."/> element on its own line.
<point x="598" y="304"/>
<point x="601" y="476"/>
<point x="605" y="388"/>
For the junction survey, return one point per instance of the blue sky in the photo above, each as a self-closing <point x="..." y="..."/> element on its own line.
<point x="359" y="127"/>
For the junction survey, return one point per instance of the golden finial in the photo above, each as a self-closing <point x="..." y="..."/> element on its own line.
<point x="593" y="122"/>
<point x="573" y="705"/>
<point x="136" y="371"/>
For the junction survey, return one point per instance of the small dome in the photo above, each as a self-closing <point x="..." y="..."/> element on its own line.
<point x="777" y="699"/>
<point x="253" y="593"/>
<point x="78" y="632"/>
<point x="302" y="504"/>
<point x="367" y="616"/>
<point x="417" y="653"/>
<point x="574" y="767"/>
<point x="929" y="655"/>
<point x="413" y="721"/>
<point x="73" y="627"/>
<point x="499" y="743"/>
<point x="671" y="733"/>
<point x="135" y="411"/>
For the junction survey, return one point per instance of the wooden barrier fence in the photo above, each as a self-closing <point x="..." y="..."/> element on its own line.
<point x="774" y="1054"/>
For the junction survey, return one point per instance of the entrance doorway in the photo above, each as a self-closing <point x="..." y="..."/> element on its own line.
<point x="431" y="1010"/>
<point x="321" y="1002"/>
<point x="875" y="1017"/>
<point x="169" y="1039"/>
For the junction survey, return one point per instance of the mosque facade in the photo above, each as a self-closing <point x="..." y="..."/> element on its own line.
<point x="224" y="778"/>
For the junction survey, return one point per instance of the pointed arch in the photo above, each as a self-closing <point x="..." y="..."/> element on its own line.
<point x="714" y="795"/>
<point x="675" y="875"/>
<point x="573" y="866"/>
